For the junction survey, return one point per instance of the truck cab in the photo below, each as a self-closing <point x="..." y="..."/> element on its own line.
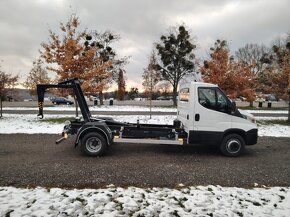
<point x="208" y="116"/>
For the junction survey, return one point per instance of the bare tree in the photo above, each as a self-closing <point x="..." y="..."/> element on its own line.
<point x="37" y="75"/>
<point x="151" y="76"/>
<point x="6" y="81"/>
<point x="253" y="55"/>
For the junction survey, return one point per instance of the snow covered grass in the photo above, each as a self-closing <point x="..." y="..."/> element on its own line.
<point x="30" y="124"/>
<point x="132" y="201"/>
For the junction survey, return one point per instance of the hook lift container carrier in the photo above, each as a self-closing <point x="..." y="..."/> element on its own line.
<point x="204" y="116"/>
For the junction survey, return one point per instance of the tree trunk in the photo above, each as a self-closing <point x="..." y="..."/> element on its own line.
<point x="289" y="106"/>
<point x="1" y="107"/>
<point x="251" y="104"/>
<point x="76" y="104"/>
<point x="289" y="110"/>
<point x="175" y="95"/>
<point x="101" y="96"/>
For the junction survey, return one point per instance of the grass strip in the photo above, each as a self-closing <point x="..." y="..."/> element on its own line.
<point x="57" y="120"/>
<point x="271" y="122"/>
<point x="263" y="109"/>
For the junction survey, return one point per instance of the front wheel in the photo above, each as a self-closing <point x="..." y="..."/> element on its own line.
<point x="93" y="144"/>
<point x="232" y="145"/>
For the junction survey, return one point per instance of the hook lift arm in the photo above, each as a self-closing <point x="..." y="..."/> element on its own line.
<point x="73" y="84"/>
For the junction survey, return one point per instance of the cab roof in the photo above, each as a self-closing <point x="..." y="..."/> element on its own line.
<point x="198" y="84"/>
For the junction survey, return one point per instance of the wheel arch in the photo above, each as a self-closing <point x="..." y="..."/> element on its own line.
<point x="240" y="132"/>
<point x="86" y="130"/>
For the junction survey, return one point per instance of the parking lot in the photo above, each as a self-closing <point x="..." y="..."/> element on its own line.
<point x="34" y="160"/>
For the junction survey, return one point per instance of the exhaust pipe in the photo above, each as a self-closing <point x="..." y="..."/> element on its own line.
<point x="64" y="136"/>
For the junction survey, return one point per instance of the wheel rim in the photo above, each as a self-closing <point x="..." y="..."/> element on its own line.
<point x="93" y="144"/>
<point x="233" y="146"/>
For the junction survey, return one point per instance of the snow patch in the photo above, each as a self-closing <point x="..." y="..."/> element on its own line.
<point x="132" y="201"/>
<point x="30" y="124"/>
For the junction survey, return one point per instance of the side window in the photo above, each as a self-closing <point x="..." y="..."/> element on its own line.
<point x="212" y="98"/>
<point x="206" y="97"/>
<point x="184" y="94"/>
<point x="222" y="104"/>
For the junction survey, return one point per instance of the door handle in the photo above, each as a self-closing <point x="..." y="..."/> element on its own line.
<point x="196" y="117"/>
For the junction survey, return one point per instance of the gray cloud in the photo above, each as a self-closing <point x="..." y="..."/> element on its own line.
<point x="24" y="25"/>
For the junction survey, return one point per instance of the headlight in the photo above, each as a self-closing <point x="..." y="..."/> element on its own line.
<point x="251" y="119"/>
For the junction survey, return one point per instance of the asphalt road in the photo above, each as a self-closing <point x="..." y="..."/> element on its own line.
<point x="34" y="160"/>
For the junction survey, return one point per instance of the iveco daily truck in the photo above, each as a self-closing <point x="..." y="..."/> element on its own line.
<point x="205" y="115"/>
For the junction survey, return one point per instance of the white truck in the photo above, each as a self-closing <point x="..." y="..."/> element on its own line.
<point x="204" y="116"/>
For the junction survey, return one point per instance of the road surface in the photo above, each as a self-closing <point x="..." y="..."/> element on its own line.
<point x="34" y="160"/>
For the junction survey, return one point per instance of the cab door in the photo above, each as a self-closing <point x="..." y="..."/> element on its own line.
<point x="211" y="115"/>
<point x="185" y="107"/>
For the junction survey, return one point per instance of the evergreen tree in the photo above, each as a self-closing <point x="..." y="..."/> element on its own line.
<point x="176" y="56"/>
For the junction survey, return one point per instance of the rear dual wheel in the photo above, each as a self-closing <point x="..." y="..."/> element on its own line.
<point x="232" y="145"/>
<point x="93" y="144"/>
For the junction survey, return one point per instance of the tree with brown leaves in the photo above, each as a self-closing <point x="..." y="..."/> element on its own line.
<point x="234" y="78"/>
<point x="69" y="58"/>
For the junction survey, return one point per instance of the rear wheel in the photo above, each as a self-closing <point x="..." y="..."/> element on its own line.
<point x="232" y="145"/>
<point x="93" y="144"/>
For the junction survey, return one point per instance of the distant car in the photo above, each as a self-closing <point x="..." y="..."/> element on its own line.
<point x="165" y="98"/>
<point x="241" y="98"/>
<point x="28" y="100"/>
<point x="61" y="101"/>
<point x="271" y="97"/>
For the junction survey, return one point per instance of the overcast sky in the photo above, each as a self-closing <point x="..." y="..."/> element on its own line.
<point x="24" y="25"/>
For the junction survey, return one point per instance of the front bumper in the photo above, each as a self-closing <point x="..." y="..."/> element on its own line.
<point x="252" y="137"/>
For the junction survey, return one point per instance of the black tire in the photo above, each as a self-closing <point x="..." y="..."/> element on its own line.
<point x="93" y="144"/>
<point x="232" y="145"/>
